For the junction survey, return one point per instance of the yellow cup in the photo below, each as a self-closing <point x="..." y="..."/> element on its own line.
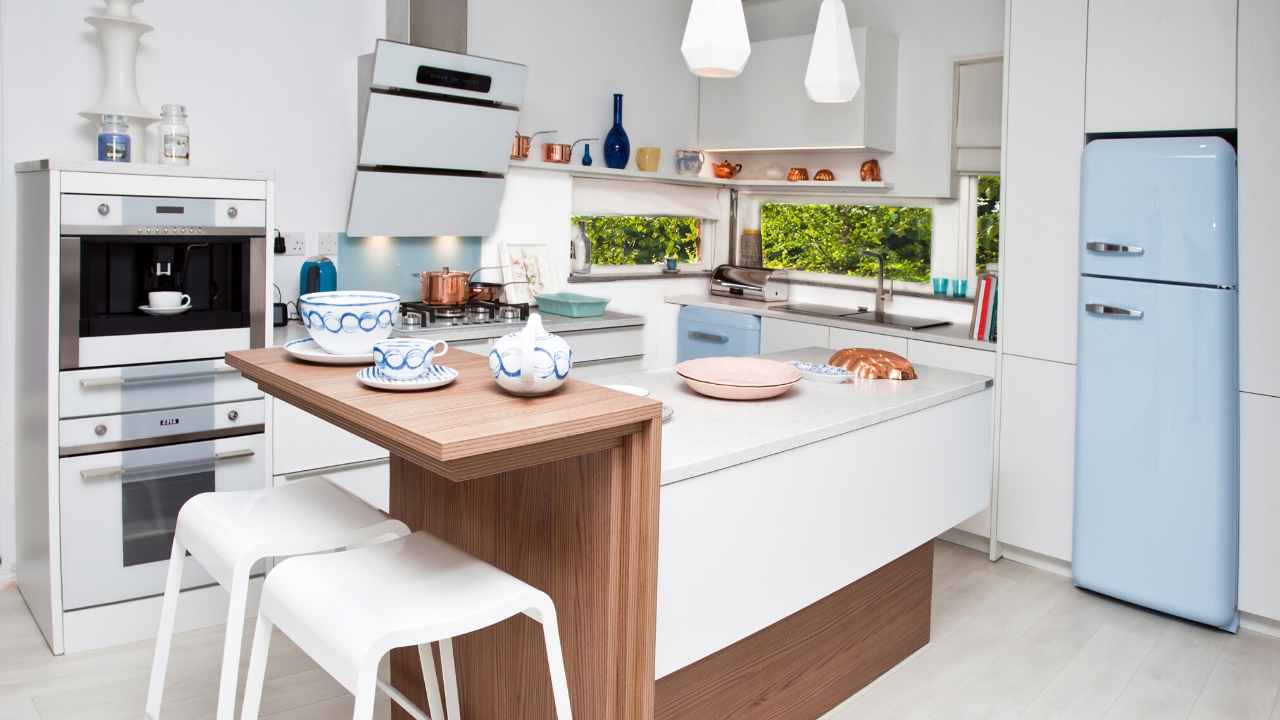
<point x="648" y="158"/>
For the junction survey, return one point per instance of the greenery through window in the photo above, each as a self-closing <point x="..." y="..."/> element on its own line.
<point x="988" y="243"/>
<point x="845" y="239"/>
<point x="642" y="240"/>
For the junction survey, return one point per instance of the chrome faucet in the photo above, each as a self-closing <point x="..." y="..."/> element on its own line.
<point x="880" y="291"/>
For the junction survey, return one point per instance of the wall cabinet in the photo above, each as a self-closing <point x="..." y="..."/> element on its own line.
<point x="1259" y="109"/>
<point x="1037" y="455"/>
<point x="841" y="338"/>
<point x="779" y="335"/>
<point x="767" y="106"/>
<point x="1161" y="65"/>
<point x="1259" y="505"/>
<point x="1041" y="207"/>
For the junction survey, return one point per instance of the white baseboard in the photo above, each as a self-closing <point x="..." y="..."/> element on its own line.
<point x="1036" y="560"/>
<point x="964" y="538"/>
<point x="1260" y="624"/>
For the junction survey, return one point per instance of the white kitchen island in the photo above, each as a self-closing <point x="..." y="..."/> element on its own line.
<point x="795" y="534"/>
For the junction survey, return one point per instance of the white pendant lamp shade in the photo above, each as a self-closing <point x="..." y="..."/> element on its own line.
<point x="716" y="44"/>
<point x="833" y="69"/>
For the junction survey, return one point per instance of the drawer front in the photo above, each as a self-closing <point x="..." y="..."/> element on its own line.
<point x="240" y="213"/>
<point x="91" y="434"/>
<point x="841" y="339"/>
<point x="370" y="481"/>
<point x="302" y="441"/>
<point x="590" y="345"/>
<point x="444" y="135"/>
<point x="108" y="391"/>
<point x="599" y="370"/>
<point x="950" y="357"/>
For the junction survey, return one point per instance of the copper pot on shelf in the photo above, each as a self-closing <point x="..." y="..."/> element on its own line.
<point x="558" y="153"/>
<point x="522" y="144"/>
<point x="726" y="170"/>
<point x="798" y="174"/>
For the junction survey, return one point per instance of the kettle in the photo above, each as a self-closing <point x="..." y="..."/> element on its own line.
<point x="531" y="361"/>
<point x="318" y="274"/>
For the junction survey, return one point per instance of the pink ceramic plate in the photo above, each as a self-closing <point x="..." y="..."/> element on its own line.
<point x="738" y="378"/>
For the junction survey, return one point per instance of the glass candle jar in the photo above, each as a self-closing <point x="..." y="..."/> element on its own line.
<point x="114" y="143"/>
<point x="175" y="136"/>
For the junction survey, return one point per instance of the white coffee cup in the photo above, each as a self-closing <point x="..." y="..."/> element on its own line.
<point x="167" y="300"/>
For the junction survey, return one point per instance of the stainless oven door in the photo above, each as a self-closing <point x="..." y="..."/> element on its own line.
<point x="119" y="511"/>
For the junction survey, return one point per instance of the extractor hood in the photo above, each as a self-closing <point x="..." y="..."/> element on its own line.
<point x="435" y="141"/>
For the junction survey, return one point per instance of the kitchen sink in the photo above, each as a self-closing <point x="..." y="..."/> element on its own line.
<point x="904" y="322"/>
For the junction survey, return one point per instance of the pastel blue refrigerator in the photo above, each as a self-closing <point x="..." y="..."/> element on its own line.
<point x="1157" y="497"/>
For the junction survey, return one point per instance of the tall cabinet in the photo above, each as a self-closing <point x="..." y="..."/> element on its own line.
<point x="1038" y="258"/>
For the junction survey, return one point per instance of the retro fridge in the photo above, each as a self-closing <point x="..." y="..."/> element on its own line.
<point x="1157" y="497"/>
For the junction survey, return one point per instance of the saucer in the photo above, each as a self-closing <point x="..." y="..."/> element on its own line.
<point x="819" y="372"/>
<point x="164" y="312"/>
<point x="307" y="350"/>
<point x="435" y="376"/>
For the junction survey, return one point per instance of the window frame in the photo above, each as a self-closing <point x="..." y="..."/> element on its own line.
<point x="708" y="226"/>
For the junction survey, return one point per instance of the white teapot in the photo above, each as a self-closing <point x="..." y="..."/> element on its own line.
<point x="531" y="361"/>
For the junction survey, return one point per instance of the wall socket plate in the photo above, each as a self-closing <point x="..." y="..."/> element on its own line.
<point x="329" y="243"/>
<point x="295" y="243"/>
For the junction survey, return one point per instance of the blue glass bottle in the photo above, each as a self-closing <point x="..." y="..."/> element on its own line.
<point x="586" y="155"/>
<point x="617" y="146"/>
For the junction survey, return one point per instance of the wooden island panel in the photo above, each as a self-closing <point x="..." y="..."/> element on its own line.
<point x="560" y="491"/>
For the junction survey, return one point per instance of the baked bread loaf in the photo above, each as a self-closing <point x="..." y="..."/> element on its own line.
<point x="871" y="364"/>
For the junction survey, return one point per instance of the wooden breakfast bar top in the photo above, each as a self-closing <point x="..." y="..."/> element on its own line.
<point x="561" y="491"/>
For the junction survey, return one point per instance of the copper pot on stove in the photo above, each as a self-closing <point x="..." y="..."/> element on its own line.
<point x="444" y="287"/>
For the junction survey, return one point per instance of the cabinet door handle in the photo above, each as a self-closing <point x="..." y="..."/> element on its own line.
<point x="89" y="383"/>
<point x="106" y="473"/>
<point x="708" y="337"/>
<point x="1111" y="311"/>
<point x="1114" y="249"/>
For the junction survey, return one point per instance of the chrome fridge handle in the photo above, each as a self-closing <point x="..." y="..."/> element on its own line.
<point x="1114" y="249"/>
<point x="118" y="471"/>
<point x="1111" y="311"/>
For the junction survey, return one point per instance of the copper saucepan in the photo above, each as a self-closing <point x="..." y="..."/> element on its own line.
<point x="522" y="144"/>
<point x="444" y="287"/>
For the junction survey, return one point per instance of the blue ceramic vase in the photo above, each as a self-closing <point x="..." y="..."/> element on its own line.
<point x="586" y="155"/>
<point x="617" y="146"/>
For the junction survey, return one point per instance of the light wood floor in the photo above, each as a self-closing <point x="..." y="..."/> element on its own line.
<point x="1008" y="642"/>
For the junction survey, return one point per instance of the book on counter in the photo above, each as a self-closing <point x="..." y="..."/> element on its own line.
<point x="982" y="326"/>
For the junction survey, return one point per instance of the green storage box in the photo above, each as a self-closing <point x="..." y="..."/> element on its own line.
<point x="572" y="304"/>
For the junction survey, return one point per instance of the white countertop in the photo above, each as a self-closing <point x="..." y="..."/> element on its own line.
<point x="705" y="434"/>
<point x="462" y="333"/>
<point x="953" y="334"/>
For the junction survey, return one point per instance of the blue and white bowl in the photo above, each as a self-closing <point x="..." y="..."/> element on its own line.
<point x="348" y="322"/>
<point x="407" y="358"/>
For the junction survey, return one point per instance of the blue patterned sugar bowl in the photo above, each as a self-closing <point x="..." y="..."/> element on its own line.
<point x="348" y="322"/>
<point x="407" y="358"/>
<point x="531" y="361"/>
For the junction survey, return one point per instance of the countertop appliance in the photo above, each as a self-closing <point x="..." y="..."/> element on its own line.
<point x="318" y="274"/>
<point x="435" y="141"/>
<point x="703" y="332"/>
<point x="1157" y="496"/>
<point x="750" y="283"/>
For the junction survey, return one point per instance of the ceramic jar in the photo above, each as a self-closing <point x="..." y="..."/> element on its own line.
<point x="531" y="361"/>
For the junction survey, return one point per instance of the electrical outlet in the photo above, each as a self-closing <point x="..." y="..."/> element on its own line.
<point x="295" y="243"/>
<point x="328" y="243"/>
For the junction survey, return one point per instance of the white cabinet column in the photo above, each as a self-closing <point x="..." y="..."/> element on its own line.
<point x="1259" y="505"/>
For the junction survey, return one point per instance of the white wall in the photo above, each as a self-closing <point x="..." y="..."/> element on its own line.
<point x="932" y="35"/>
<point x="268" y="85"/>
<point x="581" y="52"/>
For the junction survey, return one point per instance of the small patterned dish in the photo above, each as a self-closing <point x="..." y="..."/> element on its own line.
<point x="821" y="372"/>
<point x="308" y="350"/>
<point x="436" y="376"/>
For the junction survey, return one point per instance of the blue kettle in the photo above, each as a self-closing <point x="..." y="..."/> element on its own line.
<point x="318" y="275"/>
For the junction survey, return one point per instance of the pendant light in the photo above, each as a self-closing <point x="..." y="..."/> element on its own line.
<point x="833" y="69"/>
<point x="716" y="44"/>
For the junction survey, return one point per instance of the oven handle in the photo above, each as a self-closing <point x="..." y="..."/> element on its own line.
<point x="90" y="383"/>
<point x="107" y="473"/>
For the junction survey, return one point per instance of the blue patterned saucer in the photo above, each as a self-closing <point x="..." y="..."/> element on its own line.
<point x="436" y="376"/>
<point x="819" y="372"/>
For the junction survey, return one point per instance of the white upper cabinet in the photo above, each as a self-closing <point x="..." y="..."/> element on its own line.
<point x="1039" y="260"/>
<point x="767" y="107"/>
<point x="1259" y="157"/>
<point x="1161" y="65"/>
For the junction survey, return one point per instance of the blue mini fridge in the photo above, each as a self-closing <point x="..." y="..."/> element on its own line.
<point x="1157" y="497"/>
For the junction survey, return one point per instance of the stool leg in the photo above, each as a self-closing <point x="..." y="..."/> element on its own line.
<point x="555" y="663"/>
<point x="428" y="660"/>
<point x="366" y="694"/>
<point x="164" y="637"/>
<point x="231" y="645"/>
<point x="257" y="674"/>
<point x="450" y="674"/>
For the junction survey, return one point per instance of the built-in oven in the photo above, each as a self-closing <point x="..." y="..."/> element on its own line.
<point x="135" y="443"/>
<point x="206" y="256"/>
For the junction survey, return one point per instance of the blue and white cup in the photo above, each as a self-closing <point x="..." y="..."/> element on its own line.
<point x="407" y="358"/>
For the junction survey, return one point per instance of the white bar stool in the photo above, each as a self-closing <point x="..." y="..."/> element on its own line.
<point x="347" y="610"/>
<point x="228" y="532"/>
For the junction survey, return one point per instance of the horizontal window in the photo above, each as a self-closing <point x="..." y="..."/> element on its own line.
<point x="848" y="239"/>
<point x="642" y="239"/>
